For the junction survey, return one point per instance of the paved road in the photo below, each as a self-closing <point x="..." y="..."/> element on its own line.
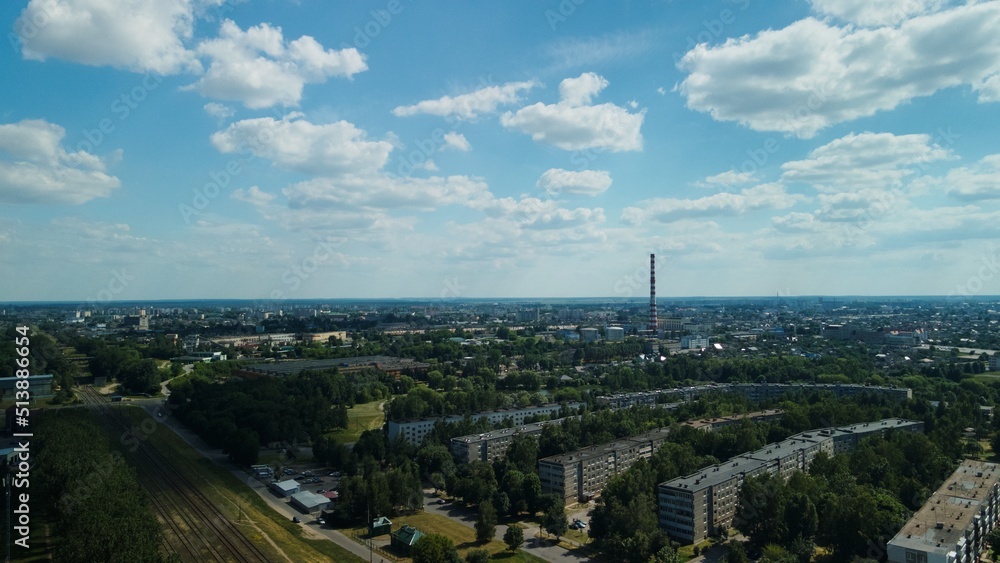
<point x="537" y="546"/>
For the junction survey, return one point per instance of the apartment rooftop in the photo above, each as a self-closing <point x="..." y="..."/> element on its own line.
<point x="717" y="474"/>
<point x="602" y="450"/>
<point x="942" y="521"/>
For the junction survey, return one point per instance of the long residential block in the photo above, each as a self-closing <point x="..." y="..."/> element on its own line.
<point x="414" y="431"/>
<point x="696" y="506"/>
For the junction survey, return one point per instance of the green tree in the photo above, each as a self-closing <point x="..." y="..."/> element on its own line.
<point x="477" y="556"/>
<point x="993" y="540"/>
<point x="513" y="537"/>
<point x="486" y="522"/>
<point x="433" y="548"/>
<point x="555" y="521"/>
<point x="665" y="555"/>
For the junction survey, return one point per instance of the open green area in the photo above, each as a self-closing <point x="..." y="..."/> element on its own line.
<point x="462" y="536"/>
<point x="245" y="505"/>
<point x="366" y="416"/>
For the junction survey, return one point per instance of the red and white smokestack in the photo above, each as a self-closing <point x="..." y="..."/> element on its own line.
<point x="652" y="294"/>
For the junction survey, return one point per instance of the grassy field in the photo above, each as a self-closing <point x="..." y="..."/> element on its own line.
<point x="463" y="537"/>
<point x="259" y="519"/>
<point x="367" y="416"/>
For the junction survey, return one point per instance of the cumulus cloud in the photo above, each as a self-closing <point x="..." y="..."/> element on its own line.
<point x="972" y="183"/>
<point x="728" y="178"/>
<point x="260" y="69"/>
<point x="812" y="74"/>
<point x="873" y="13"/>
<point x="556" y="181"/>
<point x="865" y="160"/>
<point x="764" y="196"/>
<point x="456" y="141"/>
<point x="140" y="35"/>
<point x="35" y="168"/>
<point x="254" y="196"/>
<point x="573" y="125"/>
<point x="471" y="105"/>
<point x="388" y="192"/>
<point x="581" y="90"/>
<point x="219" y="111"/>
<point x="296" y="144"/>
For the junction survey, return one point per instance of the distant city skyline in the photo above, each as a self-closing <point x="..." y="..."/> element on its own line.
<point x="311" y="150"/>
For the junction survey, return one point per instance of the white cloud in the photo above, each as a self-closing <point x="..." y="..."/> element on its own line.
<point x="865" y="160"/>
<point x="557" y="181"/>
<point x="873" y="13"/>
<point x="764" y="196"/>
<point x="254" y="196"/>
<point x="220" y="111"/>
<point x="35" y="168"/>
<point x="975" y="183"/>
<point x="260" y="69"/>
<point x="571" y="126"/>
<point x="594" y="51"/>
<point x="388" y="192"/>
<point x="581" y="90"/>
<point x="728" y="178"/>
<point x="139" y="35"/>
<point x="811" y="74"/>
<point x="471" y="105"/>
<point x="457" y="141"/>
<point x="296" y="144"/>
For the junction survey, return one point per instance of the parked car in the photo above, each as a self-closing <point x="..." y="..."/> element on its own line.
<point x="296" y="519"/>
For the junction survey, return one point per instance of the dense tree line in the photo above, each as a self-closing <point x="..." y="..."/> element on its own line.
<point x="91" y="494"/>
<point x="240" y="414"/>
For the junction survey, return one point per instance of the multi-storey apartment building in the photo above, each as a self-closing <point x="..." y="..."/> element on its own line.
<point x="951" y="527"/>
<point x="752" y="391"/>
<point x="414" y="431"/>
<point x="695" y="506"/>
<point x="582" y="474"/>
<point x="493" y="445"/>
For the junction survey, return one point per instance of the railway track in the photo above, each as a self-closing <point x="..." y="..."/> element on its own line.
<point x="196" y="529"/>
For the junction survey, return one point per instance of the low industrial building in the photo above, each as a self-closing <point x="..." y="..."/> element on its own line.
<point x="696" y="506"/>
<point x="380" y="527"/>
<point x="39" y="386"/>
<point x="951" y="527"/>
<point x="285" y="488"/>
<point x="309" y="502"/>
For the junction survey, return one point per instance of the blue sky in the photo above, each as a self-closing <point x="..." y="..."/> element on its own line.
<point x="170" y="149"/>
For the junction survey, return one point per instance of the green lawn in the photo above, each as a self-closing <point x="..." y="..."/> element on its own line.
<point x="463" y="537"/>
<point x="367" y="416"/>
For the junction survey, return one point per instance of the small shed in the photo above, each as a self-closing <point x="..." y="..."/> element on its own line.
<point x="380" y="526"/>
<point x="405" y="538"/>
<point x="285" y="488"/>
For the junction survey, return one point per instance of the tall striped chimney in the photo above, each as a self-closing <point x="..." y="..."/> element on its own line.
<point x="652" y="294"/>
